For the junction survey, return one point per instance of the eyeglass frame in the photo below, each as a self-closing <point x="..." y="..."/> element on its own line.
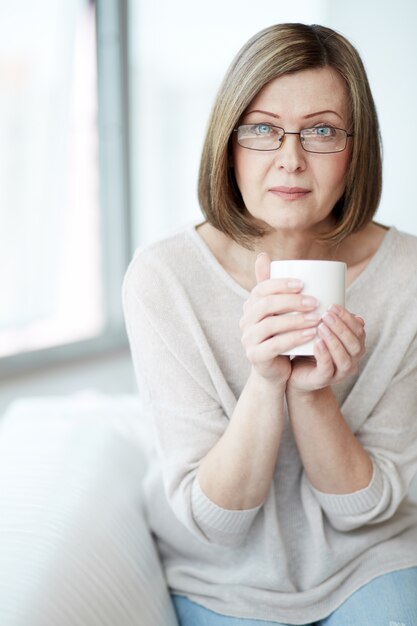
<point x="286" y="132"/>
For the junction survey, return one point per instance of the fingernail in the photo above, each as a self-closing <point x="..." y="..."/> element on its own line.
<point x="309" y="301"/>
<point x="335" y="308"/>
<point x="261" y="254"/>
<point x="325" y="330"/>
<point x="294" y="283"/>
<point x="329" y="319"/>
<point x="309" y="332"/>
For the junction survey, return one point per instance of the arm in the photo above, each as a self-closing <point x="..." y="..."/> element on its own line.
<point x="234" y="458"/>
<point x="333" y="458"/>
<point x="358" y="478"/>
<point x="217" y="471"/>
<point x="237" y="472"/>
<point x="181" y="401"/>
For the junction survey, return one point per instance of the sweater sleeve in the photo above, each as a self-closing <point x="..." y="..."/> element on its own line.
<point x="389" y="435"/>
<point x="176" y="388"/>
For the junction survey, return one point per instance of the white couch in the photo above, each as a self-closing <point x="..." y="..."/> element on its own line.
<point x="75" y="549"/>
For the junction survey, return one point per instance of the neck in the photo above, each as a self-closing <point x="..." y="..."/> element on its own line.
<point x="356" y="250"/>
<point x="239" y="262"/>
<point x="293" y="245"/>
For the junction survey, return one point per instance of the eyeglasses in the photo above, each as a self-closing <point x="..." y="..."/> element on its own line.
<point x="320" y="139"/>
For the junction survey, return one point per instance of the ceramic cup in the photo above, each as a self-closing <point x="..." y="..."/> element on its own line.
<point x="325" y="280"/>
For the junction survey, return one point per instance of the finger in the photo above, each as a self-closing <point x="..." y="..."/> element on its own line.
<point x="325" y="365"/>
<point x="352" y="339"/>
<point x="279" y="344"/>
<point x="278" y="324"/>
<point x="355" y="322"/>
<point x="257" y="310"/>
<point x="262" y="267"/>
<point x="342" y="361"/>
<point x="277" y="285"/>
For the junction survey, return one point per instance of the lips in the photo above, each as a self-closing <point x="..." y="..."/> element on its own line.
<point x="290" y="193"/>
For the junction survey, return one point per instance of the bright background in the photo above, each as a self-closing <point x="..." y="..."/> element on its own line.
<point x="63" y="205"/>
<point x="179" y="52"/>
<point x="49" y="200"/>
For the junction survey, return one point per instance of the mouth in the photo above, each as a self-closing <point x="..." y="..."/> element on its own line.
<point x="290" y="193"/>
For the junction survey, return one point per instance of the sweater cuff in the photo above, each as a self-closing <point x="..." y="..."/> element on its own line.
<point x="219" y="524"/>
<point x="354" y="503"/>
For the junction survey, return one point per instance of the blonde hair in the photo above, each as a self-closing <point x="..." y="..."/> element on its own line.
<point x="275" y="51"/>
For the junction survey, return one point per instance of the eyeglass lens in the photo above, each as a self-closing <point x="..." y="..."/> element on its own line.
<point x="267" y="137"/>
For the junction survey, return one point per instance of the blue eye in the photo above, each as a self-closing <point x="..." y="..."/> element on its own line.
<point x="324" y="131"/>
<point x="263" y="129"/>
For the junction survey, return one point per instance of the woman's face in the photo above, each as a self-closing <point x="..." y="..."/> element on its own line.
<point x="295" y="101"/>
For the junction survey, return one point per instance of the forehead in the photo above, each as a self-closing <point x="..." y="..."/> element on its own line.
<point x="300" y="93"/>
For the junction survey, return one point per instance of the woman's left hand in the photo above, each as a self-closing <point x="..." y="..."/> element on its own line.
<point x="338" y="350"/>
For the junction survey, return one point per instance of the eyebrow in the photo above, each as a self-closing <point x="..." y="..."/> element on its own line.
<point x="305" y="116"/>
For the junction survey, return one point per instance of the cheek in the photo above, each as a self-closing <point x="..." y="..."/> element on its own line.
<point x="240" y="164"/>
<point x="343" y="163"/>
<point x="249" y="169"/>
<point x="336" y="173"/>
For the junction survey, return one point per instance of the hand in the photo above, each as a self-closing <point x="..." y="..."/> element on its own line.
<point x="338" y="351"/>
<point x="266" y="332"/>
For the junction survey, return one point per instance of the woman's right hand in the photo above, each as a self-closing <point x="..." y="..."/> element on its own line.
<point x="266" y="332"/>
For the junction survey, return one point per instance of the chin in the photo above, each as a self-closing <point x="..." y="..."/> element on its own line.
<point x="288" y="225"/>
<point x="293" y="222"/>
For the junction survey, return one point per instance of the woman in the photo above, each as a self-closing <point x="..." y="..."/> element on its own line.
<point x="280" y="491"/>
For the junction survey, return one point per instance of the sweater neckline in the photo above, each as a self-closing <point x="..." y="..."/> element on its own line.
<point x="375" y="261"/>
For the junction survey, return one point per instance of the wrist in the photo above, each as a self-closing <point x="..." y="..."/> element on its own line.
<point x="266" y="385"/>
<point x="310" y="396"/>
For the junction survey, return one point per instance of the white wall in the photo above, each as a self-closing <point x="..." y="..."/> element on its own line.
<point x="385" y="36"/>
<point x="175" y="77"/>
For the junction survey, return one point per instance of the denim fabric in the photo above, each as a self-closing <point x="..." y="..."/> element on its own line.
<point x="388" y="600"/>
<point x="192" y="614"/>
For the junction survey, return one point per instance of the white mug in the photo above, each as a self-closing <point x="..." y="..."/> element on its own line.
<point x="325" y="280"/>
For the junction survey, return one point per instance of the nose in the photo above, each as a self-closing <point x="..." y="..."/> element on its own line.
<point x="290" y="156"/>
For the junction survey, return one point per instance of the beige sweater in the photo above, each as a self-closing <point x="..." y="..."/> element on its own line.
<point x="297" y="557"/>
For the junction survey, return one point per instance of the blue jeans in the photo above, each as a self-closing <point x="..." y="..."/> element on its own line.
<point x="389" y="600"/>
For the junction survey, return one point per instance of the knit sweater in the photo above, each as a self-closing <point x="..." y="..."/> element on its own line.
<point x="300" y="554"/>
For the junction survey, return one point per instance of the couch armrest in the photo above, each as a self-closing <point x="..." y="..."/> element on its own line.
<point x="75" y="549"/>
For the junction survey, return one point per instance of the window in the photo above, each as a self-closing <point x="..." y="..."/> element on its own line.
<point x="63" y="172"/>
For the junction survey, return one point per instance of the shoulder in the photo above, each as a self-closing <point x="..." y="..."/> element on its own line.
<point x="401" y="257"/>
<point x="388" y="284"/>
<point x="170" y="274"/>
<point x="406" y="243"/>
<point x="152" y="293"/>
<point x="164" y="250"/>
<point x="160" y="261"/>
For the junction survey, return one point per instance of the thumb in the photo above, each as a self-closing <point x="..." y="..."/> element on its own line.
<point x="262" y="267"/>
